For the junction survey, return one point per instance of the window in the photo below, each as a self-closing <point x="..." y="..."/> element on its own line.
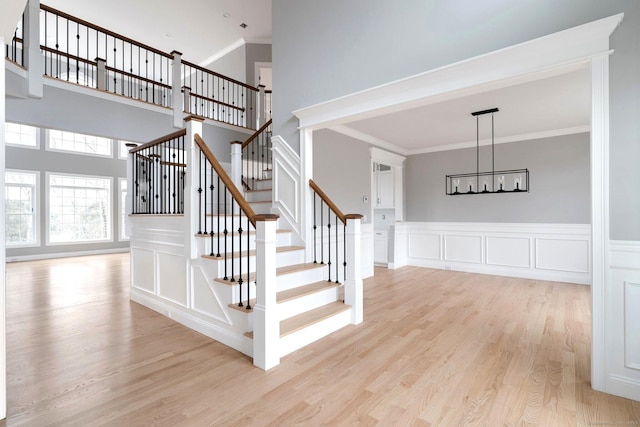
<point x="21" y="135"/>
<point x="20" y="196"/>
<point x="123" y="208"/>
<point x="124" y="150"/>
<point x="79" y="209"/>
<point x="79" y="143"/>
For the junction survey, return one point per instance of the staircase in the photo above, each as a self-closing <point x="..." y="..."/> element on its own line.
<point x="247" y="284"/>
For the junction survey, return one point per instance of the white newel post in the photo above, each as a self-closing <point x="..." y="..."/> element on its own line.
<point x="176" y="84"/>
<point x="101" y="71"/>
<point x="353" y="291"/>
<point x="236" y="163"/>
<point x="262" y="107"/>
<point x="266" y="324"/>
<point x="194" y="126"/>
<point x="34" y="61"/>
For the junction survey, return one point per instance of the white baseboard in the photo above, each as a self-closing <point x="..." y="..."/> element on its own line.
<point x="65" y="255"/>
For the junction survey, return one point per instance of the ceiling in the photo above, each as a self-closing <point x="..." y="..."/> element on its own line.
<point x="198" y="28"/>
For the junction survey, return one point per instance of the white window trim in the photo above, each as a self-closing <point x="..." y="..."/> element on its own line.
<point x="28" y="147"/>
<point x="121" y="222"/>
<point x="79" y="153"/>
<point x="48" y="209"/>
<point x="38" y="209"/>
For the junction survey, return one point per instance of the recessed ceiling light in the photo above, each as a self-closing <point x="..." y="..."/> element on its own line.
<point x="167" y="34"/>
<point x="243" y="25"/>
<point x="226" y="15"/>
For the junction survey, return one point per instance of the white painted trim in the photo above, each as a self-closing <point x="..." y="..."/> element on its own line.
<point x="3" y="311"/>
<point x="222" y="52"/>
<point x="347" y="131"/>
<point x="66" y="254"/>
<point x="552" y="54"/>
<point x="387" y="158"/>
<point x="503" y="263"/>
<point x="505" y="140"/>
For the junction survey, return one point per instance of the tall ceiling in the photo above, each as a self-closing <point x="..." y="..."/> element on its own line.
<point x="204" y="30"/>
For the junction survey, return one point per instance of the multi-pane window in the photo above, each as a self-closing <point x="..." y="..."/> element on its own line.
<point x="79" y="143"/>
<point x="79" y="208"/>
<point x="20" y="208"/>
<point x="22" y="135"/>
<point x="123" y="208"/>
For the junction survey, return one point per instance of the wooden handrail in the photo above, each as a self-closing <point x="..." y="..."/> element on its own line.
<point x="329" y="202"/>
<point x="133" y="76"/>
<point x="67" y="55"/>
<point x="104" y="30"/>
<point x="235" y="193"/>
<point x="205" y="98"/>
<point x="256" y="133"/>
<point x="204" y="70"/>
<point x="176" y="134"/>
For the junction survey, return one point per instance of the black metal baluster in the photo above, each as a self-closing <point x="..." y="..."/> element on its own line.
<point x="218" y="211"/>
<point x="233" y="276"/>
<point x="226" y="239"/>
<point x="329" y="241"/>
<point x="337" y="257"/>
<point x="321" y="231"/>
<point x="249" y="266"/>
<point x="240" y="260"/>
<point x="212" y="188"/>
<point x="344" y="243"/>
<point x="204" y="213"/>
<point x="315" y="240"/>
<point x="200" y="193"/>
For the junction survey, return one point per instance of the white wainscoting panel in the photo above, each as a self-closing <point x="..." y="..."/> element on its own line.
<point x="632" y="324"/>
<point x="143" y="269"/>
<point x="562" y="255"/>
<point x="463" y="248"/>
<point x="286" y="185"/>
<point x="366" y="246"/>
<point x="622" y="323"/>
<point x="558" y="252"/>
<point x="509" y="251"/>
<point x="425" y="246"/>
<point x="172" y="278"/>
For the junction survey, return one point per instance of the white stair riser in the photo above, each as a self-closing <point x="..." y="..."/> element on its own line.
<point x="258" y="196"/>
<point x="233" y="264"/>
<point x="298" y="278"/>
<point x="311" y="333"/>
<point x="205" y="245"/>
<point x="261" y="208"/>
<point x="308" y="302"/>
<point x="261" y="184"/>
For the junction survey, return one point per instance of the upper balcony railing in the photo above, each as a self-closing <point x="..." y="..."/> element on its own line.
<point x="85" y="54"/>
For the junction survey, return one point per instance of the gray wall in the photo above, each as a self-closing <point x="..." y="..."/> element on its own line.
<point x="559" y="182"/>
<point x="322" y="50"/>
<point x="344" y="177"/>
<point x="233" y="64"/>
<point x="256" y="53"/>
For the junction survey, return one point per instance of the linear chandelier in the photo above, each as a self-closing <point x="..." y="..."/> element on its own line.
<point x="506" y="181"/>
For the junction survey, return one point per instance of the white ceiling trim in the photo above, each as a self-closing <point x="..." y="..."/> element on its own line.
<point x="219" y="54"/>
<point x="369" y="139"/>
<point x="504" y="139"/>
<point x="577" y="45"/>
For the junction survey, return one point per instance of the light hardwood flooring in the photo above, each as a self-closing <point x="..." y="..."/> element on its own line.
<point x="437" y="348"/>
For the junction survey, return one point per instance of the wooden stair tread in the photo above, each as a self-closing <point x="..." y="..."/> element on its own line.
<point x="295" y="323"/>
<point x="300" y="291"/>
<point x="262" y="201"/>
<point x="244" y="233"/>
<point x="253" y="252"/>
<point x="279" y="271"/>
<point x="257" y="191"/>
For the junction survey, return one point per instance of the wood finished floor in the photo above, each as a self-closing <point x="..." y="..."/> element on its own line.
<point x="437" y="348"/>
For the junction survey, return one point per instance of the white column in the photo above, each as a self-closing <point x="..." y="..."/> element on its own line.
<point x="3" y="347"/>
<point x="194" y="126"/>
<point x="599" y="220"/>
<point x="186" y="100"/>
<point x="353" y="291"/>
<point x="101" y="71"/>
<point x="176" y="84"/>
<point x="262" y="103"/>
<point x="306" y="195"/>
<point x="236" y="163"/>
<point x="34" y="61"/>
<point x="266" y="324"/>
